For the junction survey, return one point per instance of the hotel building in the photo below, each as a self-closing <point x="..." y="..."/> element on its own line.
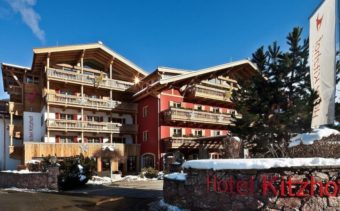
<point x="82" y="98"/>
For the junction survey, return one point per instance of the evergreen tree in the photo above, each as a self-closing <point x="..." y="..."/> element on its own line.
<point x="278" y="102"/>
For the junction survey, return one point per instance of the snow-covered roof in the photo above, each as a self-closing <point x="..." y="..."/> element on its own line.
<point x="260" y="163"/>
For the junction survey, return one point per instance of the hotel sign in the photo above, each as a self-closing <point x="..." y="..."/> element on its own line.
<point x="277" y="186"/>
<point x="32" y="126"/>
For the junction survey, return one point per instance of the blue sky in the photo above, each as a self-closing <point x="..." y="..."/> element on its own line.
<point x="188" y="34"/>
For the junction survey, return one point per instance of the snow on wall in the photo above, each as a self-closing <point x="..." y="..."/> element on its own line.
<point x="309" y="138"/>
<point x="259" y="163"/>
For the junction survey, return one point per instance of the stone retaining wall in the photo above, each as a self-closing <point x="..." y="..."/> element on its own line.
<point x="270" y="189"/>
<point x="41" y="180"/>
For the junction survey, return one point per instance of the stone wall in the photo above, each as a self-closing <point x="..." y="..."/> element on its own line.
<point x="41" y="180"/>
<point x="312" y="188"/>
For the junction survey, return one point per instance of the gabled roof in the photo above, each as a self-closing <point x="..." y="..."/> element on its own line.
<point x="172" y="70"/>
<point x="209" y="70"/>
<point x="90" y="46"/>
<point x="243" y="69"/>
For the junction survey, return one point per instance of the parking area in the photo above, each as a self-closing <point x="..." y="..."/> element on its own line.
<point x="123" y="195"/>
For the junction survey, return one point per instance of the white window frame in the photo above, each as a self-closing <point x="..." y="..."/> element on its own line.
<point x="145" y="136"/>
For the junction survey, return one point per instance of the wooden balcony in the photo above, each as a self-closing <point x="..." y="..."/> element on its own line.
<point x="15" y="131"/>
<point x="91" y="103"/>
<point x="74" y="76"/>
<point x="14" y="90"/>
<point x="15" y="108"/>
<point x="89" y="126"/>
<point x="195" y="116"/>
<point x="205" y="93"/>
<point x="180" y="142"/>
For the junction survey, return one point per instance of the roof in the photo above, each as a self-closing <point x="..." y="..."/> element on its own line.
<point x="172" y="70"/>
<point x="240" y="69"/>
<point x="98" y="45"/>
<point x="208" y="70"/>
<point x="15" y="66"/>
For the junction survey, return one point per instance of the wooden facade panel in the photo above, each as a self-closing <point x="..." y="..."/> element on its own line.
<point x="33" y="150"/>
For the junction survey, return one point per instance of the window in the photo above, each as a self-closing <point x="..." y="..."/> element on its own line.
<point x="42" y="119"/>
<point x="145" y="135"/>
<point x="214" y="155"/>
<point x="67" y="139"/>
<point x="145" y="111"/>
<point x="95" y="118"/>
<point x="199" y="107"/>
<point x="66" y="116"/>
<point x="66" y="92"/>
<point x="216" y="132"/>
<point x="93" y="140"/>
<point x="32" y="79"/>
<point x="177" y="132"/>
<point x="29" y="79"/>
<point x="177" y="105"/>
<point x="117" y="120"/>
<point x="216" y="110"/>
<point x="198" y="133"/>
<point x="148" y="160"/>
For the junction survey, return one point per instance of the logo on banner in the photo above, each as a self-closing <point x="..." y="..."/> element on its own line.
<point x="318" y="22"/>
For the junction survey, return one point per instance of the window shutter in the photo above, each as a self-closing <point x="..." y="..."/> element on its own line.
<point x="75" y="139"/>
<point x="183" y="131"/>
<point x="57" y="115"/>
<point x="171" y="131"/>
<point x="75" y="116"/>
<point x="203" y="133"/>
<point x="57" y="139"/>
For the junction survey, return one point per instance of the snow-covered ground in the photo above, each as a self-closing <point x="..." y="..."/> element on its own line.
<point x="309" y="138"/>
<point x="96" y="180"/>
<point x="28" y="190"/>
<point x="259" y="163"/>
<point x="25" y="171"/>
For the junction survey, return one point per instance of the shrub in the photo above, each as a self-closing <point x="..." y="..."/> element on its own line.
<point x="149" y="172"/>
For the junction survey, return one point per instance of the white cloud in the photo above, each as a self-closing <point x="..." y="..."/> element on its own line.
<point x="29" y="15"/>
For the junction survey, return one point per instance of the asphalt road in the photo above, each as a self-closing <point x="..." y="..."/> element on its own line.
<point x="117" y="196"/>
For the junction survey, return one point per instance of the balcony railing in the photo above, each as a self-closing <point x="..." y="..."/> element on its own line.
<point x="74" y="76"/>
<point x="190" y="115"/>
<point x="72" y="100"/>
<point x="201" y="91"/>
<point x="179" y="142"/>
<point x="15" y="108"/>
<point x="89" y="126"/>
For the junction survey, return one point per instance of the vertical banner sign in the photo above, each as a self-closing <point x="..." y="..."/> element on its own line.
<point x="322" y="61"/>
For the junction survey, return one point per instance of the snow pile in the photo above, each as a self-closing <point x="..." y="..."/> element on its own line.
<point x="99" y="180"/>
<point x="82" y="177"/>
<point x="168" y="207"/>
<point x="309" y="138"/>
<point x="176" y="176"/>
<point x="259" y="163"/>
<point x="33" y="161"/>
<point x="24" y="171"/>
<point x="133" y="178"/>
<point x="28" y="190"/>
